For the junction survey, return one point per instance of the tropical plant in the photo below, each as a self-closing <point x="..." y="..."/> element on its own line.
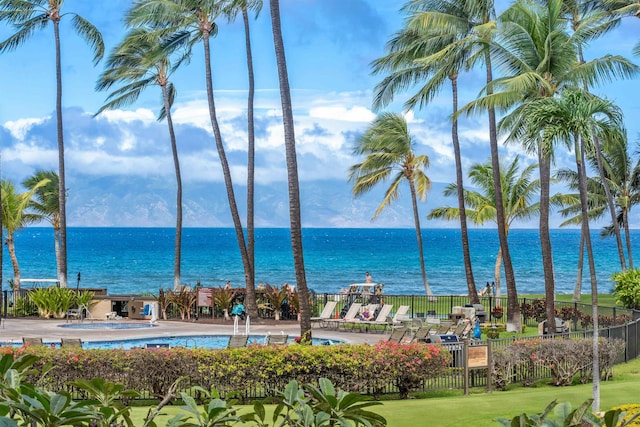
<point x="138" y="62"/>
<point x="45" y="201"/>
<point x="223" y="298"/>
<point x="308" y="405"/>
<point x="388" y="148"/>
<point x="27" y="17"/>
<point x="106" y="398"/>
<point x="189" y="22"/>
<point x="519" y="191"/>
<point x="15" y="215"/>
<point x="575" y="118"/>
<point x="52" y="301"/>
<point x="292" y="173"/>
<point x="183" y="300"/>
<point x="627" y="288"/>
<point x="275" y="296"/>
<point x="425" y="54"/>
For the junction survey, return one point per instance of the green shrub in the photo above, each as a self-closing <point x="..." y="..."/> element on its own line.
<point x="627" y="288"/>
<point x="53" y="301"/>
<point x="355" y="368"/>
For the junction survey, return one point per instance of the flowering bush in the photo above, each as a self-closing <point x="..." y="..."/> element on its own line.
<point x="630" y="410"/>
<point x="357" y="368"/>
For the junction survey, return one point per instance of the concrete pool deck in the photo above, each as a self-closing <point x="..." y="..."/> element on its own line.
<point x="49" y="330"/>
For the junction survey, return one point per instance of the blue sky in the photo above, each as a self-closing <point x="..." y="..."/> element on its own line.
<point x="330" y="45"/>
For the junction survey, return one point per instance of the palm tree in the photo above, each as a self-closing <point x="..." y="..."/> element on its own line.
<point x="28" y="16"/>
<point x="15" y="215"/>
<point x="46" y="203"/>
<point x="419" y="55"/>
<point x="192" y="21"/>
<point x="518" y="187"/>
<point x="476" y="30"/>
<point x="388" y="149"/>
<point x="292" y="173"/>
<point x="138" y="62"/>
<point x="539" y="58"/>
<point x="575" y="118"/>
<point x="243" y="6"/>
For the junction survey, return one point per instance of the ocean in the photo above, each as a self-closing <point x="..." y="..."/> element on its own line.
<point x="140" y="260"/>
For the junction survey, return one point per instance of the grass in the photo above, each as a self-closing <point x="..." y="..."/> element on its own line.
<point x="608" y="300"/>
<point x="480" y="409"/>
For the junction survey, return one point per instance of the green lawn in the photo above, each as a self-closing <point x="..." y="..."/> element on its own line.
<point x="608" y="300"/>
<point x="480" y="409"/>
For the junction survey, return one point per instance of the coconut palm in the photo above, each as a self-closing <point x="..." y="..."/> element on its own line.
<point x="46" y="203"/>
<point x="292" y="173"/>
<point x="539" y="57"/>
<point x="423" y="56"/>
<point x="28" y="16"/>
<point x="233" y="8"/>
<point x="15" y="215"/>
<point x="138" y="62"/>
<point x="476" y="31"/>
<point x="191" y="22"/>
<point x="575" y="118"/>
<point x="388" y="148"/>
<point x="480" y="205"/>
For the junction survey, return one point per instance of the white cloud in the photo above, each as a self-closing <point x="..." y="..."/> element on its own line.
<point x="19" y="128"/>
<point x="127" y="116"/>
<point x="352" y="114"/>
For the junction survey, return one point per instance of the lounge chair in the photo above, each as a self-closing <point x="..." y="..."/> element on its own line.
<point x="422" y="333"/>
<point x="27" y="341"/>
<point x="277" y="339"/>
<point x="327" y="313"/>
<point x="445" y="327"/>
<point x="400" y="316"/>
<point x="238" y="341"/>
<point x="71" y="342"/>
<point x="382" y="319"/>
<point x="397" y="335"/>
<point x="351" y="314"/>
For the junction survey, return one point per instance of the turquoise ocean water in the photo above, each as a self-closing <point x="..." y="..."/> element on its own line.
<point x="138" y="260"/>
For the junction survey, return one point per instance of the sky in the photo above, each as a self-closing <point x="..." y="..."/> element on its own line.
<point x="125" y="154"/>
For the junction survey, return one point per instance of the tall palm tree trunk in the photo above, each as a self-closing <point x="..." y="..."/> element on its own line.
<point x="176" y="164"/>
<point x="11" y="247"/>
<point x="62" y="193"/>
<point x="235" y="215"/>
<point x="250" y="300"/>
<point x="577" y="290"/>
<point x="496" y="272"/>
<point x="464" y="233"/>
<point x="582" y="180"/>
<point x="627" y="237"/>
<point x="514" y="322"/>
<point x="544" y="166"/>
<point x="292" y="174"/>
<point x="416" y="219"/>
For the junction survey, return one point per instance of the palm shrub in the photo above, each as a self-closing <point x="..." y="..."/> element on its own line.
<point x="183" y="300"/>
<point x="53" y="301"/>
<point x="627" y="288"/>
<point x="163" y="302"/>
<point x="223" y="298"/>
<point x="276" y="296"/>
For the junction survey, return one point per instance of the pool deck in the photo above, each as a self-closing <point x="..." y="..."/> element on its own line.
<point x="49" y="330"/>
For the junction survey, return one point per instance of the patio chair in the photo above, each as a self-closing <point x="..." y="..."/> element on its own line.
<point x="397" y="335"/>
<point x="355" y="319"/>
<point x="380" y="319"/>
<point x="27" y="341"/>
<point x="326" y="313"/>
<point x="277" y="339"/>
<point x="422" y="333"/>
<point x="400" y="315"/>
<point x="445" y="327"/>
<point x="238" y="341"/>
<point x="351" y="314"/>
<point x="71" y="342"/>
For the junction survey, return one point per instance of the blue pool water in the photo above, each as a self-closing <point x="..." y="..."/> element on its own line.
<point x="188" y="341"/>
<point x="107" y="325"/>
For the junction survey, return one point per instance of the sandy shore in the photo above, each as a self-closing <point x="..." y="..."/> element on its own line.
<point x="49" y="330"/>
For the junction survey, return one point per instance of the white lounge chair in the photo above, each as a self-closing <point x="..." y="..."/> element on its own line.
<point x="380" y="319"/>
<point x="353" y="311"/>
<point x="400" y="316"/>
<point x="358" y="320"/>
<point x="327" y="313"/>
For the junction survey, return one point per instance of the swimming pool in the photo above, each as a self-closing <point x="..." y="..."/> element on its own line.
<point x="107" y="325"/>
<point x="189" y="341"/>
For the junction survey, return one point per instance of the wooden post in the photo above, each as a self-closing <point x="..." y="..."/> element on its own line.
<point x="465" y="363"/>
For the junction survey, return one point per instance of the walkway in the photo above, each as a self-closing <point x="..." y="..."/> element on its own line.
<point x="50" y="330"/>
